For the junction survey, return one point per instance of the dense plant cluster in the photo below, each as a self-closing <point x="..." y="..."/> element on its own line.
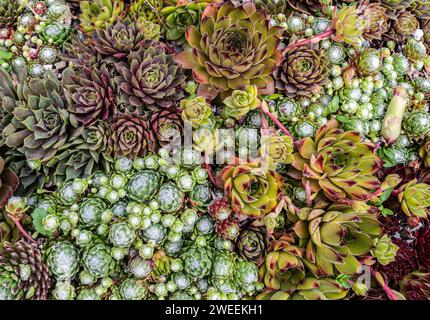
<point x="214" y="149"/>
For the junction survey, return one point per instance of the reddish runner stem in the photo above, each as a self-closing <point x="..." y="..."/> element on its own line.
<point x="315" y="39"/>
<point x="21" y="229"/>
<point x="264" y="108"/>
<point x="384" y="286"/>
<point x="210" y="173"/>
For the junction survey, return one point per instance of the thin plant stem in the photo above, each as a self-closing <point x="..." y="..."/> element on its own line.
<point x="18" y="224"/>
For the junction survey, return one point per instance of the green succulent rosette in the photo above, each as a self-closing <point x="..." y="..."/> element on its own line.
<point x="414" y="198"/>
<point x="337" y="163"/>
<point x="63" y="260"/>
<point x="232" y="57"/>
<point x="335" y="236"/>
<point x="178" y="18"/>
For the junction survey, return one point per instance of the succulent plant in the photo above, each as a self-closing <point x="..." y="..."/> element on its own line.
<point x="146" y="9"/>
<point x="385" y="250"/>
<point x="8" y="183"/>
<point x="133" y="289"/>
<point x="41" y="124"/>
<point x="244" y="62"/>
<point x="55" y="33"/>
<point x="241" y="102"/>
<point x="22" y="264"/>
<point x="131" y="135"/>
<point x="414" y="50"/>
<point x="9" y="13"/>
<point x="421" y="8"/>
<point x="150" y="79"/>
<point x="405" y="24"/>
<point x="414" y="198"/>
<point x="228" y="229"/>
<point x="376" y="19"/>
<point x="394" y="6"/>
<point x="98" y="261"/>
<point x="253" y="190"/>
<point x="309" y="289"/>
<point x="417" y="124"/>
<point x="349" y="25"/>
<point x="167" y="126"/>
<point x="197" y="261"/>
<point x="118" y="39"/>
<point x="178" y="18"/>
<point x="91" y="95"/>
<point x="424" y="153"/>
<point x="86" y="155"/>
<point x="252" y="245"/>
<point x="303" y="72"/>
<point x="143" y="185"/>
<point x="62" y="259"/>
<point x="196" y="111"/>
<point x="338" y="163"/>
<point x="80" y="53"/>
<point x="370" y="62"/>
<point x="99" y="14"/>
<point x="334" y="236"/>
<point x="277" y="150"/>
<point x="283" y="268"/>
<point x="170" y="198"/>
<point x="272" y="6"/>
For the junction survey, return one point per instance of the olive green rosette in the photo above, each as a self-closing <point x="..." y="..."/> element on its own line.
<point x="146" y="9"/>
<point x="253" y="190"/>
<point x="98" y="14"/>
<point x="415" y="199"/>
<point x="276" y="149"/>
<point x="421" y="9"/>
<point x="385" y="250"/>
<point x="234" y="46"/>
<point x="283" y="267"/>
<point x="335" y="236"/>
<point x="178" y="18"/>
<point x="240" y="102"/>
<point x="349" y="25"/>
<point x="40" y="124"/>
<point x="196" y="111"/>
<point x="338" y="163"/>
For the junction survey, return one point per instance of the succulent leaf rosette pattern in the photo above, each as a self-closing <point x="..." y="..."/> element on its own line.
<point x="234" y="47"/>
<point x="214" y="150"/>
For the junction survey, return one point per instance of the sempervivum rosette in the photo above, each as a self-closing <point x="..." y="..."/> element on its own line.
<point x="150" y="79"/>
<point x="253" y="189"/>
<point x="167" y="125"/>
<point x="41" y="123"/>
<point x="91" y="95"/>
<point x="119" y="39"/>
<point x="24" y="275"/>
<point x="130" y="135"/>
<point x="338" y="163"/>
<point x="303" y="72"/>
<point x="233" y="47"/>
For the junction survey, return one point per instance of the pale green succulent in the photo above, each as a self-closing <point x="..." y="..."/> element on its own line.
<point x="62" y="259"/>
<point x="415" y="199"/>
